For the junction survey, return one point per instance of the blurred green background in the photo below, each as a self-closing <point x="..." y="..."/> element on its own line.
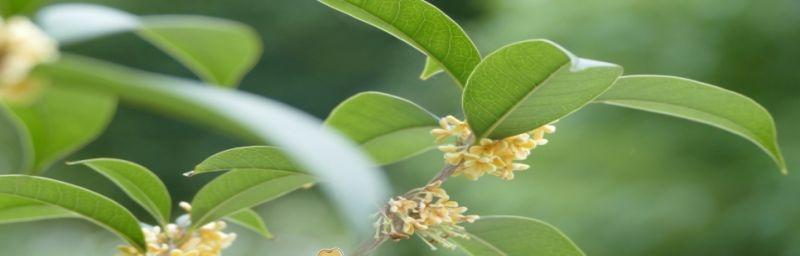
<point x="618" y="182"/>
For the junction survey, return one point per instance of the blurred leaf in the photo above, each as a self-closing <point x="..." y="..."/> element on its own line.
<point x="10" y="8"/>
<point x="62" y="121"/>
<point x="136" y="181"/>
<point x="350" y="178"/>
<point x="698" y="102"/>
<point x="515" y="236"/>
<point x="421" y="25"/>
<point x="242" y="189"/>
<point x="253" y="157"/>
<point x="528" y="84"/>
<point x="219" y="51"/>
<point x="251" y="220"/>
<point x="16" y="151"/>
<point x="16" y="209"/>
<point x="85" y="203"/>
<point x="430" y="70"/>
<point x="387" y="127"/>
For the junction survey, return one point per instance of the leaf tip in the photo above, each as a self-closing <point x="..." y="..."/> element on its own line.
<point x="189" y="173"/>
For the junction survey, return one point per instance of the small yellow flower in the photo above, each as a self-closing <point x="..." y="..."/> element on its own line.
<point x="22" y="47"/>
<point x="451" y="126"/>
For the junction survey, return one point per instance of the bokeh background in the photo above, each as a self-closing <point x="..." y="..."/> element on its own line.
<point x="617" y="181"/>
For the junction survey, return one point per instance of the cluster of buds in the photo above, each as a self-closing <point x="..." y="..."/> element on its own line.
<point x="427" y="212"/>
<point x="495" y="157"/>
<point x="23" y="46"/>
<point x="173" y="240"/>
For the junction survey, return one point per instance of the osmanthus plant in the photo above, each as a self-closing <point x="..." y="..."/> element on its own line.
<point x="511" y="99"/>
<point x="52" y="103"/>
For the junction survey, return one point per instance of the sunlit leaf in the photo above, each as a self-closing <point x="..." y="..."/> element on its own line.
<point x="87" y="204"/>
<point x="349" y="177"/>
<point x="698" y="102"/>
<point x="16" y="151"/>
<point x="387" y="127"/>
<point x="515" y="236"/>
<point x="528" y="84"/>
<point x="138" y="182"/>
<point x="62" y="121"/>
<point x="10" y="8"/>
<point x="421" y="25"/>
<point x="219" y="51"/>
<point x="17" y="209"/>
<point x="254" y="157"/>
<point x="242" y="189"/>
<point x="431" y="69"/>
<point x="251" y="220"/>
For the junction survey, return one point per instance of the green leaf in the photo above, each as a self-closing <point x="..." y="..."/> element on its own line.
<point x="142" y="185"/>
<point x="16" y="151"/>
<point x="85" y="203"/>
<point x="10" y="8"/>
<point x="252" y="157"/>
<point x="242" y="189"/>
<point x="387" y="127"/>
<point x="515" y="236"/>
<point x="16" y="209"/>
<point x="431" y="69"/>
<point x="219" y="51"/>
<point x="698" y="102"/>
<point x="349" y="177"/>
<point x="525" y="85"/>
<point x="421" y="25"/>
<point x="63" y="120"/>
<point x="251" y="220"/>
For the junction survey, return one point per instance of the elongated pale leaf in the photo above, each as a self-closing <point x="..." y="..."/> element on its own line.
<point x="430" y="70"/>
<point x="87" y="204"/>
<point x="528" y="84"/>
<point x="62" y="121"/>
<point x="515" y="236"/>
<point x="387" y="127"/>
<point x="219" y="51"/>
<point x="138" y="182"/>
<point x="421" y="25"/>
<point x="698" y="102"/>
<point x="17" y="209"/>
<point x="253" y="157"/>
<point x="251" y="220"/>
<point x="242" y="189"/>
<point x="16" y="151"/>
<point x="349" y="177"/>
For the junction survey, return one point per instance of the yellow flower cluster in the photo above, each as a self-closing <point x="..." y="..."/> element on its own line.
<point x="208" y="241"/>
<point x="22" y="47"/>
<point x="495" y="157"/>
<point x="427" y="212"/>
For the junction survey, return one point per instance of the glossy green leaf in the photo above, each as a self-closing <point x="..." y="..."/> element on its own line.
<point x="515" y="236"/>
<point x="219" y="51"/>
<point x="421" y="25"/>
<point x="242" y="189"/>
<point x="525" y="85"/>
<point x="62" y="121"/>
<point x="349" y="177"/>
<point x="142" y="185"/>
<point x="698" y="102"/>
<point x="16" y="151"/>
<point x="431" y="69"/>
<point x="251" y="220"/>
<point x="85" y="203"/>
<point x="387" y="127"/>
<point x="253" y="157"/>
<point x="17" y="209"/>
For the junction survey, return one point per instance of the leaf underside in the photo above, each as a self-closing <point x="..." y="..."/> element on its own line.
<point x="251" y="220"/>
